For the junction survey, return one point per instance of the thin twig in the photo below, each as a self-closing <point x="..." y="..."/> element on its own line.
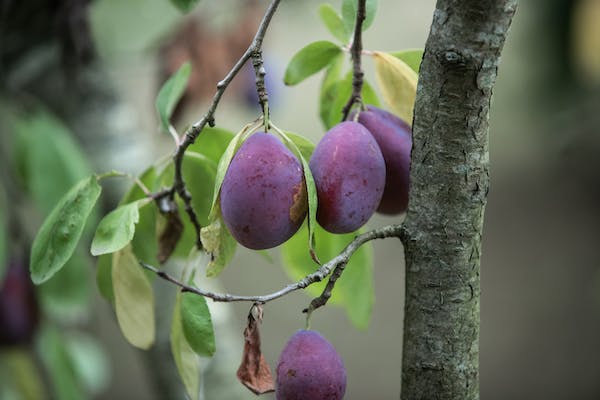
<point x="355" y="52"/>
<point x="333" y="265"/>
<point x="192" y="133"/>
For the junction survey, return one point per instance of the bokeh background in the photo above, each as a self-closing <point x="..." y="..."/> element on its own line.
<point x="540" y="303"/>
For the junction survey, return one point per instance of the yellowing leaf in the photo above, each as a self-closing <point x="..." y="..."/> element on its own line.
<point x="398" y="84"/>
<point x="134" y="299"/>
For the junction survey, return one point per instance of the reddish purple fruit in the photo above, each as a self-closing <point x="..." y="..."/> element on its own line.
<point x="263" y="196"/>
<point x="19" y="314"/>
<point x="309" y="368"/>
<point x="349" y="173"/>
<point x="394" y="138"/>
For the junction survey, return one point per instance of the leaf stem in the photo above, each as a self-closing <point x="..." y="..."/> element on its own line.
<point x="192" y="133"/>
<point x="355" y="52"/>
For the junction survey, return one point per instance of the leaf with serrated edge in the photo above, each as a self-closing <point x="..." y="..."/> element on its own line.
<point x="170" y="93"/>
<point x="349" y="8"/>
<point x="134" y="299"/>
<point x="197" y="324"/>
<point x="58" y="237"/>
<point x="309" y="60"/>
<point x="412" y="57"/>
<point x="186" y="360"/>
<point x="219" y="243"/>
<point x="117" y="228"/>
<point x="333" y="22"/>
<point x="398" y="84"/>
<point x="353" y="290"/>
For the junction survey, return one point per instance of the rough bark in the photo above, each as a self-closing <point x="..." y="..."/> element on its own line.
<point x="449" y="185"/>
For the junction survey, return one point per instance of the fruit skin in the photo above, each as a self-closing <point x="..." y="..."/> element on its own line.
<point x="19" y="313"/>
<point x="349" y="173"/>
<point x="310" y="368"/>
<point x="394" y="138"/>
<point x="263" y="196"/>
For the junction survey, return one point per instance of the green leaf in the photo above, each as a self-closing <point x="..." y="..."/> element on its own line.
<point x="305" y="146"/>
<point x="185" y="6"/>
<point x="90" y="364"/>
<point x="342" y="91"/>
<point x="349" y="8"/>
<point x="18" y="371"/>
<point x="186" y="360"/>
<point x="197" y="324"/>
<point x="411" y="57"/>
<point x="67" y="297"/>
<point x="134" y="299"/>
<point x="333" y="22"/>
<point x="170" y="93"/>
<point x="398" y="84"/>
<point x="49" y="160"/>
<point x="53" y="352"/>
<point x="3" y="239"/>
<point x="310" y="60"/>
<point x="199" y="174"/>
<point x="212" y="142"/>
<point x="353" y="290"/>
<point x="104" y="277"/>
<point x="219" y="243"/>
<point x="328" y="93"/>
<point x="116" y="229"/>
<point x="57" y="238"/>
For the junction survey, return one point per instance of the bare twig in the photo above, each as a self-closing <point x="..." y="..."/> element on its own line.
<point x="336" y="265"/>
<point x="355" y="52"/>
<point x="192" y="133"/>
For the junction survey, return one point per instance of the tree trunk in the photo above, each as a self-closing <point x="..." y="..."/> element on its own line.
<point x="449" y="185"/>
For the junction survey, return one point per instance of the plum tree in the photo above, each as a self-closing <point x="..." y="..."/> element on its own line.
<point x="349" y="173"/>
<point x="310" y="368"/>
<point x="394" y="138"/>
<point x="263" y="196"/>
<point x="19" y="312"/>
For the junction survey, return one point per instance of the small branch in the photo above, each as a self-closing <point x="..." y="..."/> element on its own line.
<point x="261" y="90"/>
<point x="336" y="264"/>
<point x="192" y="133"/>
<point x="381" y="233"/>
<point x="355" y="52"/>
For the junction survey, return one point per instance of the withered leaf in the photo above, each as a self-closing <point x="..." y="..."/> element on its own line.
<point x="254" y="372"/>
<point x="170" y="231"/>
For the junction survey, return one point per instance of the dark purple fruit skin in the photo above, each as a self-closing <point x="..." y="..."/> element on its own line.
<point x="349" y="172"/>
<point x="263" y="196"/>
<point x="394" y="138"/>
<point x="310" y="368"/>
<point x="19" y="314"/>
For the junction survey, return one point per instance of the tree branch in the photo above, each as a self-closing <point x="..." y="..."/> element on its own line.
<point x="336" y="264"/>
<point x="449" y="185"/>
<point x="355" y="52"/>
<point x="192" y="133"/>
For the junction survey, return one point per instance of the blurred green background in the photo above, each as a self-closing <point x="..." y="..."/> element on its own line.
<point x="540" y="303"/>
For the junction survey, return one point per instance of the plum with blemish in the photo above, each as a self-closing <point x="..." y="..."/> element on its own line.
<point x="349" y="173"/>
<point x="310" y="368"/>
<point x="394" y="137"/>
<point x="263" y="196"/>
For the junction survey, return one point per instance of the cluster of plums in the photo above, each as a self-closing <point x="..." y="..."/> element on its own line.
<point x="309" y="368"/>
<point x="358" y="167"/>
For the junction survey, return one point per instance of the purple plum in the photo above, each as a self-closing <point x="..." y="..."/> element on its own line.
<point x="394" y="138"/>
<point x="19" y="313"/>
<point x="263" y="196"/>
<point x="310" y="368"/>
<point x="349" y="173"/>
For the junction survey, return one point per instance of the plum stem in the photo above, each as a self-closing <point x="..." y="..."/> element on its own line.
<point x="189" y="137"/>
<point x="355" y="52"/>
<point x="336" y="264"/>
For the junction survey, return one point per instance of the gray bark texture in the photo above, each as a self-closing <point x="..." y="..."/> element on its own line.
<point x="449" y="185"/>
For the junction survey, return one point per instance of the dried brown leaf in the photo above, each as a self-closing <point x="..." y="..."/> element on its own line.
<point x="254" y="372"/>
<point x="170" y="233"/>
